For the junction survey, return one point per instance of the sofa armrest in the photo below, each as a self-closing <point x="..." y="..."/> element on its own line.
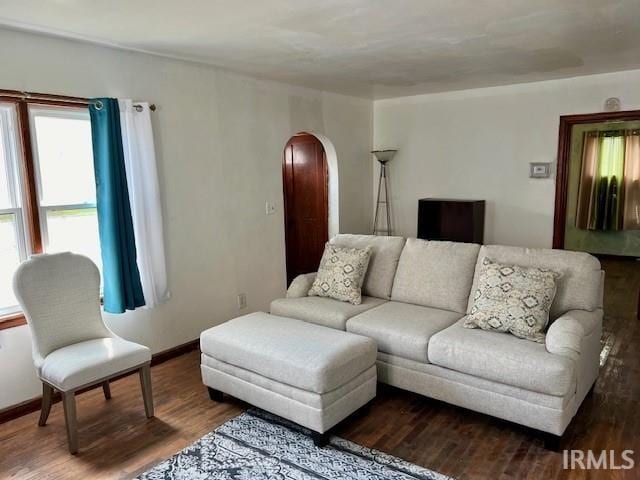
<point x="565" y="335"/>
<point x="301" y="285"/>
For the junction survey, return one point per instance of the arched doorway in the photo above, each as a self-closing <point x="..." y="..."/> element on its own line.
<point x="305" y="175"/>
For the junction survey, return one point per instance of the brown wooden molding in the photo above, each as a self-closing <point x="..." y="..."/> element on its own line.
<point x="32" y="210"/>
<point x="564" y="150"/>
<point x="12" y="320"/>
<point x="33" y="405"/>
<point x="174" y="352"/>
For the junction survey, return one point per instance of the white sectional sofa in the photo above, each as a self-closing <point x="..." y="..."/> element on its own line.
<point x="415" y="297"/>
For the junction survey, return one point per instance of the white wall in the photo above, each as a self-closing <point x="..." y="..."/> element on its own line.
<point x="220" y="139"/>
<point x="478" y="143"/>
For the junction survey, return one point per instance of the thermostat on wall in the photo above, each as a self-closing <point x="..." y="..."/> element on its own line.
<point x="539" y="170"/>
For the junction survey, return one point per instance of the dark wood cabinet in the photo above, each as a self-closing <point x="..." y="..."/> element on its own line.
<point x="450" y="219"/>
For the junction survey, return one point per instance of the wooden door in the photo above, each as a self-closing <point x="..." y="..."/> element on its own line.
<point x="306" y="204"/>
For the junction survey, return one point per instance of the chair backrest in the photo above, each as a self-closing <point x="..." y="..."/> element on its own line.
<point x="60" y="296"/>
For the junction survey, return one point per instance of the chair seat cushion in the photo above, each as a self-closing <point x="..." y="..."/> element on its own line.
<point x="503" y="358"/>
<point x="290" y="351"/>
<point x="402" y="329"/>
<point x="322" y="311"/>
<point x="83" y="363"/>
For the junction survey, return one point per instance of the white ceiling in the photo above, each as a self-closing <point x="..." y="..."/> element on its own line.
<point x="368" y="48"/>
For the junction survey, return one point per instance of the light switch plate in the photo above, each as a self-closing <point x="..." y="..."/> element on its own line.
<point x="242" y="301"/>
<point x="269" y="208"/>
<point x="539" y="170"/>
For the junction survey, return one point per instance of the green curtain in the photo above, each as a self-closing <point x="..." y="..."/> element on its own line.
<point x="122" y="286"/>
<point x="610" y="172"/>
<point x="601" y="181"/>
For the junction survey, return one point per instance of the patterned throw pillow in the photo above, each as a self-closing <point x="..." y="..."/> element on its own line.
<point x="341" y="273"/>
<point x="513" y="299"/>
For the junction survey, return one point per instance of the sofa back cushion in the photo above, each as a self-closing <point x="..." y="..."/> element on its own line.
<point x="435" y="274"/>
<point x="578" y="288"/>
<point x="385" y="252"/>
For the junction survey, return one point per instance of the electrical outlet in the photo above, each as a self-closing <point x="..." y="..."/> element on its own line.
<point x="269" y="208"/>
<point x="242" y="301"/>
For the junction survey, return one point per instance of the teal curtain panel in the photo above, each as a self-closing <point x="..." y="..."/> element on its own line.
<point x="122" y="286"/>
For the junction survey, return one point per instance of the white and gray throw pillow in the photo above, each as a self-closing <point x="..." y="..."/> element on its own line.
<point x="341" y="273"/>
<point x="513" y="299"/>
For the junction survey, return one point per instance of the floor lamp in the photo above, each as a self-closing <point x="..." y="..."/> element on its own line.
<point x="383" y="157"/>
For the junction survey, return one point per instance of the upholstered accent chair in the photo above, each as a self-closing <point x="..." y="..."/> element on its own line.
<point x="72" y="347"/>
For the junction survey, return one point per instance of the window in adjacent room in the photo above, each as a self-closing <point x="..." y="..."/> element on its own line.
<point x="56" y="181"/>
<point x="609" y="186"/>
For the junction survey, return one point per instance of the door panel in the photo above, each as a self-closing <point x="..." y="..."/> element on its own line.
<point x="306" y="204"/>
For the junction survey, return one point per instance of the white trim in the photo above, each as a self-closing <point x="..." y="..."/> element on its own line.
<point x="66" y="35"/>
<point x="334" y="184"/>
<point x="9" y="133"/>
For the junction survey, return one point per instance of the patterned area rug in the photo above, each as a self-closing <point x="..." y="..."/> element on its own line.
<point x="257" y="445"/>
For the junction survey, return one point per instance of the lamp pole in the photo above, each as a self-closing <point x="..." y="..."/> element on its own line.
<point x="383" y="157"/>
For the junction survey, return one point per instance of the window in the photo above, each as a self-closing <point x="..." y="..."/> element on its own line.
<point x="47" y="188"/>
<point x="13" y="244"/>
<point x="63" y="160"/>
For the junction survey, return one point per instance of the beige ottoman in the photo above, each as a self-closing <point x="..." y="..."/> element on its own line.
<point x="312" y="375"/>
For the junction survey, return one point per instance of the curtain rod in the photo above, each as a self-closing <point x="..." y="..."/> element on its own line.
<point x="46" y="98"/>
<point x="614" y="133"/>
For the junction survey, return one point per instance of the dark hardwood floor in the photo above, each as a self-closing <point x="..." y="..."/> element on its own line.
<point x="117" y="441"/>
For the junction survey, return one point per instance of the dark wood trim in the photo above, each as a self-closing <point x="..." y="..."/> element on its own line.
<point x="564" y="150"/>
<point x="609" y="256"/>
<point x="49" y="99"/>
<point x="176" y="351"/>
<point x="31" y="190"/>
<point x="33" y="405"/>
<point x="43" y="98"/>
<point x="12" y="320"/>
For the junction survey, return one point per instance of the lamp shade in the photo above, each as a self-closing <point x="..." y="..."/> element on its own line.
<point x="383" y="156"/>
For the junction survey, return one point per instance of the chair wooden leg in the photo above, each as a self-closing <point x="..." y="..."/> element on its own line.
<point x="147" y="394"/>
<point x="69" y="404"/>
<point x="47" y="400"/>
<point x="106" y="388"/>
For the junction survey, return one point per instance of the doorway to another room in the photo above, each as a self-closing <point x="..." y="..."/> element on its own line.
<point x="597" y="208"/>
<point x="305" y="176"/>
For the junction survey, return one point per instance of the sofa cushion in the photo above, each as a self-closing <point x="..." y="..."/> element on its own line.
<point x="290" y="351"/>
<point x="385" y="252"/>
<point x="435" y="274"/>
<point x="579" y="287"/>
<point x="503" y="358"/>
<point x="402" y="329"/>
<point x="322" y="311"/>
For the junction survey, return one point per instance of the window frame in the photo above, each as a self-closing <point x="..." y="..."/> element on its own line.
<point x="31" y="221"/>
<point x="59" y="112"/>
<point x="13" y="153"/>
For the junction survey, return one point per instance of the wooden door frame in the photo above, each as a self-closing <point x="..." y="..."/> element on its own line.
<point x="564" y="151"/>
